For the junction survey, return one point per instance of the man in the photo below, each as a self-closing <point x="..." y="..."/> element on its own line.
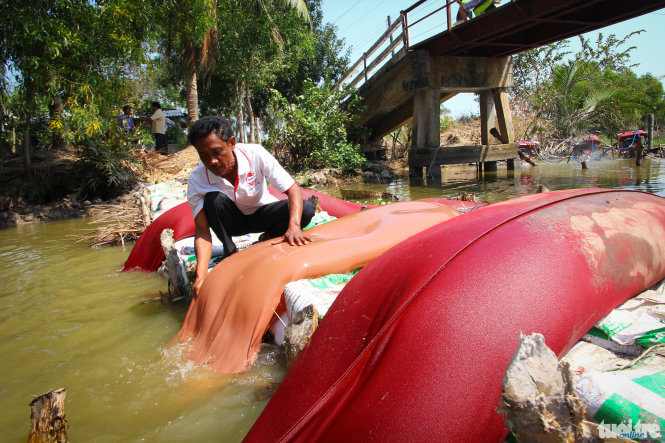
<point x="477" y="6"/>
<point x="126" y="120"/>
<point x="228" y="193"/>
<point x="158" y="128"/>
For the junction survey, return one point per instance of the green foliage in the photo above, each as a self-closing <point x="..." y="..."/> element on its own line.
<point x="445" y="120"/>
<point x="71" y="57"/>
<point x="467" y="118"/>
<point x="175" y="134"/>
<point x="595" y="90"/>
<point x="258" y="41"/>
<point x="107" y="164"/>
<point x="269" y="46"/>
<point x="312" y="132"/>
<point x="321" y="60"/>
<point x="533" y="69"/>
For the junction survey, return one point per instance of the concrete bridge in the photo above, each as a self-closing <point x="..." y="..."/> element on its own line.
<point x="403" y="81"/>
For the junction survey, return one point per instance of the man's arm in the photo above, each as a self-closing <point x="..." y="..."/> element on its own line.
<point x="203" y="250"/>
<point x="294" y="235"/>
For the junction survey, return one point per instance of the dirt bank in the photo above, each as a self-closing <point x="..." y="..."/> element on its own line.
<point x="50" y="191"/>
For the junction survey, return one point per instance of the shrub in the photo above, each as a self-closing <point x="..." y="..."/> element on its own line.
<point x="107" y="166"/>
<point x="314" y="131"/>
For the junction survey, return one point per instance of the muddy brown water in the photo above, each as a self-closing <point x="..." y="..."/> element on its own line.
<point x="69" y="319"/>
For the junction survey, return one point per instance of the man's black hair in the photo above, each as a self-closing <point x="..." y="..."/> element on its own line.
<point x="205" y="126"/>
<point x="157" y="105"/>
<point x="125" y="108"/>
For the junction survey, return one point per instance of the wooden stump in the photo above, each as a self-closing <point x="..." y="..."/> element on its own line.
<point x="143" y="198"/>
<point x="298" y="331"/>
<point x="640" y="150"/>
<point x="47" y="418"/>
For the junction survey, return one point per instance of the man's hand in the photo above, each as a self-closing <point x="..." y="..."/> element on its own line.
<point x="293" y="236"/>
<point x="196" y="286"/>
<point x="203" y="251"/>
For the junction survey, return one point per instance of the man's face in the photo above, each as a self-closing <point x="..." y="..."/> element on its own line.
<point x="128" y="111"/>
<point x="217" y="155"/>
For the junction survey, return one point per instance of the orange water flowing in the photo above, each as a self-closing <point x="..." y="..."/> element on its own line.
<point x="236" y="304"/>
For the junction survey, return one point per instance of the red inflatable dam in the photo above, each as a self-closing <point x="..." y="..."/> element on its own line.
<point x="416" y="346"/>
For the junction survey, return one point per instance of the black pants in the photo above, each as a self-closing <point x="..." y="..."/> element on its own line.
<point x="160" y="143"/>
<point x="226" y="220"/>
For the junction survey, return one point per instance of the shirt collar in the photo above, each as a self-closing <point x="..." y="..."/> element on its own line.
<point x="243" y="167"/>
<point x="242" y="160"/>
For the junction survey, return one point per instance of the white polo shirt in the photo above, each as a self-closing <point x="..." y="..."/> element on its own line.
<point x="250" y="191"/>
<point x="158" y="124"/>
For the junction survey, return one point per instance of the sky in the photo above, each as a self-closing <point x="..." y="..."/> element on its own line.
<point x="361" y="23"/>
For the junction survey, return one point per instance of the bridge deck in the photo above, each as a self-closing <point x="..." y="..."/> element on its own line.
<point x="525" y="24"/>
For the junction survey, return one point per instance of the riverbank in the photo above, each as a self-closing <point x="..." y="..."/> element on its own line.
<point x="49" y="192"/>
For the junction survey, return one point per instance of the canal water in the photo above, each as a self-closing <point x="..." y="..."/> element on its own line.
<point x="69" y="319"/>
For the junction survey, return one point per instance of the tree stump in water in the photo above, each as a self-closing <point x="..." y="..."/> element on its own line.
<point x="177" y="279"/>
<point x="298" y="331"/>
<point x="538" y="401"/>
<point x="640" y="150"/>
<point x="47" y="418"/>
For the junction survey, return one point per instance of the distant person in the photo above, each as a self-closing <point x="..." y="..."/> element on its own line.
<point x="168" y="123"/>
<point x="158" y="128"/>
<point x="126" y="120"/>
<point x="228" y="193"/>
<point x="474" y="7"/>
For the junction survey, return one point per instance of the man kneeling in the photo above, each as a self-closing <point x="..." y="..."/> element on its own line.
<point x="228" y="193"/>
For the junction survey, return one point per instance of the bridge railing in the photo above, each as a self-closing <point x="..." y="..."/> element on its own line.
<point x="367" y="62"/>
<point x="415" y="17"/>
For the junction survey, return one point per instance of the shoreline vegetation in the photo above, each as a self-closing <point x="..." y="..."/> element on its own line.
<point x="115" y="220"/>
<point x="50" y="191"/>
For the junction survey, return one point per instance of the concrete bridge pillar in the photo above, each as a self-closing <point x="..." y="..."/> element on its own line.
<point x="426" y="118"/>
<point x="426" y="127"/>
<point x="412" y="87"/>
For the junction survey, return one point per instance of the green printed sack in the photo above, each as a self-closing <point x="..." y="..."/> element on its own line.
<point x="640" y="320"/>
<point x="320" y="292"/>
<point x="632" y="400"/>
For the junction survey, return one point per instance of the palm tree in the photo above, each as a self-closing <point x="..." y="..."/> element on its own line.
<point x="199" y="43"/>
<point x="576" y="98"/>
